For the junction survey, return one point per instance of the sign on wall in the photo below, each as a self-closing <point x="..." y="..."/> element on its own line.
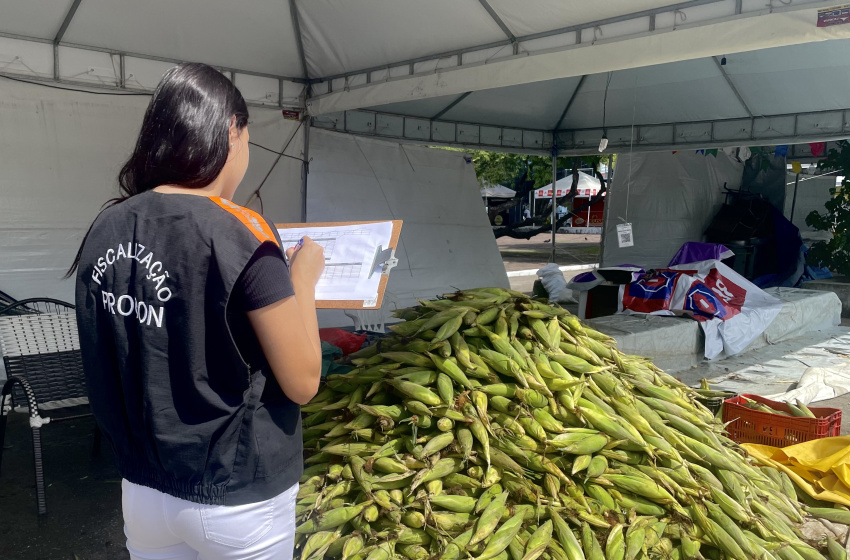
<point x="838" y="15"/>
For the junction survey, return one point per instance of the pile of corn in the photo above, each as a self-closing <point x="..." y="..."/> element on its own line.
<point x="493" y="427"/>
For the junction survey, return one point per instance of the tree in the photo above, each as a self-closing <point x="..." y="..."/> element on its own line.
<point x="835" y="253"/>
<point x="498" y="168"/>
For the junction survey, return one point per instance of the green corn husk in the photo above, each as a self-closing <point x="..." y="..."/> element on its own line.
<point x="835" y="550"/>
<point x="491" y="426"/>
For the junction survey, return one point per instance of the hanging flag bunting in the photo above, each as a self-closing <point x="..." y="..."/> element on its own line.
<point x="796" y="167"/>
<point x="818" y="148"/>
<point x="781" y="151"/>
<point x="675" y="152"/>
<point x="700" y="152"/>
<point x="711" y="152"/>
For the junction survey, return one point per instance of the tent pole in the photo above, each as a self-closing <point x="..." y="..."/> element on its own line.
<point x="794" y="200"/>
<point x="554" y="198"/>
<point x="305" y="170"/>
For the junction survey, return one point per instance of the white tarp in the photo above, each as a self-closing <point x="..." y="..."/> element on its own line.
<point x="588" y="185"/>
<point x="818" y="384"/>
<point x="807" y="361"/>
<point x="730" y="335"/>
<point x="668" y="198"/>
<point x="497" y="191"/>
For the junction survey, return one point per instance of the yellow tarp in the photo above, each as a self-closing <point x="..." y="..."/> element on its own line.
<point x="820" y="467"/>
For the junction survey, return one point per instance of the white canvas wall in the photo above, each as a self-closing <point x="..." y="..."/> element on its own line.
<point x="446" y="240"/>
<point x="60" y="153"/>
<point x="669" y="199"/>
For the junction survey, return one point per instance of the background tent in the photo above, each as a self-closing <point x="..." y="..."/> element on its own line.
<point x="588" y="185"/>
<point x="497" y="191"/>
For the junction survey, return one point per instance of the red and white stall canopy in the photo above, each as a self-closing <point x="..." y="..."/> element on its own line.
<point x="588" y="186"/>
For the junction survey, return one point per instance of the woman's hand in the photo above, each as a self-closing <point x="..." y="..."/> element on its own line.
<point x="307" y="261"/>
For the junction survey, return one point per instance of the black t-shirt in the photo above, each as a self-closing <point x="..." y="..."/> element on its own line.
<point x="264" y="281"/>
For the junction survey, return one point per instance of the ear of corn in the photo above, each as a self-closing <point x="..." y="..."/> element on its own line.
<point x="489" y="426"/>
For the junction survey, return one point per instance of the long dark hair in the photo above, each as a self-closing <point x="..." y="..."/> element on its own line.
<point x="184" y="136"/>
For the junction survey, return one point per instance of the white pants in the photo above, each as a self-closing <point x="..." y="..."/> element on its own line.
<point x="162" y="527"/>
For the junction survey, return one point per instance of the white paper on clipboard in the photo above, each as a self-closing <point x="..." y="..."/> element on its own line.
<point x="349" y="257"/>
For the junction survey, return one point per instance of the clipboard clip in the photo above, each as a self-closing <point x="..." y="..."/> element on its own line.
<point x="383" y="262"/>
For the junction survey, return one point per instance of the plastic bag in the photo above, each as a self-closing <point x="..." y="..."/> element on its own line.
<point x="346" y="341"/>
<point x="821" y="467"/>
<point x="555" y="283"/>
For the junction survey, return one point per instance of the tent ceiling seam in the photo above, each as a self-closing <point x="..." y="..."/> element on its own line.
<point x="495" y="17"/>
<point x="732" y="86"/>
<point x="451" y="105"/>
<point x="299" y="41"/>
<point x="570" y="102"/>
<point x="140" y="56"/>
<point x="554" y="32"/>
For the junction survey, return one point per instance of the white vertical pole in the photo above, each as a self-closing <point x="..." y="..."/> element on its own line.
<point x="554" y="198"/>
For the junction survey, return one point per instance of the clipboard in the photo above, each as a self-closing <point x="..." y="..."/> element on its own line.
<point x="384" y="258"/>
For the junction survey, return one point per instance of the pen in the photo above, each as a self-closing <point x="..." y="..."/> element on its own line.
<point x="297" y="246"/>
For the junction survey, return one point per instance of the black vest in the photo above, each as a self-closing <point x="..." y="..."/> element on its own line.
<point x="183" y="411"/>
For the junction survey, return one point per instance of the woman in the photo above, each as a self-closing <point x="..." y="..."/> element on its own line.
<point x="199" y="343"/>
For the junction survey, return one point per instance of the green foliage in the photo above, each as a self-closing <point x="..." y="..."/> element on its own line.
<point x="498" y="168"/>
<point x="835" y="253"/>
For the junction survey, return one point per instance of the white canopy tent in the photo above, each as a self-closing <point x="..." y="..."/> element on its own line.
<point x="530" y="76"/>
<point x="523" y="76"/>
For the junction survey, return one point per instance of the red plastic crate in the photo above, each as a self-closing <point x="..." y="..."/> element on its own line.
<point x="746" y="425"/>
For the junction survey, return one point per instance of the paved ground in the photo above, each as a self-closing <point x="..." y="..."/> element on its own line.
<point x="532" y="254"/>
<point x="526" y="283"/>
<point x="521" y="254"/>
<point x="83" y="496"/>
<point x="843" y="403"/>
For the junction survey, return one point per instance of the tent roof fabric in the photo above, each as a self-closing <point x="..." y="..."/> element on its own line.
<point x="588" y="184"/>
<point x="534" y="70"/>
<point x="497" y="191"/>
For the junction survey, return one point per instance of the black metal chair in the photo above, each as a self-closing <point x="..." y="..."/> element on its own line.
<point x="33" y="305"/>
<point x="41" y="355"/>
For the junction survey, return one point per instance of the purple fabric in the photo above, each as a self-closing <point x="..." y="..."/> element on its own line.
<point x="585" y="277"/>
<point x="589" y="280"/>
<point x="693" y="251"/>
